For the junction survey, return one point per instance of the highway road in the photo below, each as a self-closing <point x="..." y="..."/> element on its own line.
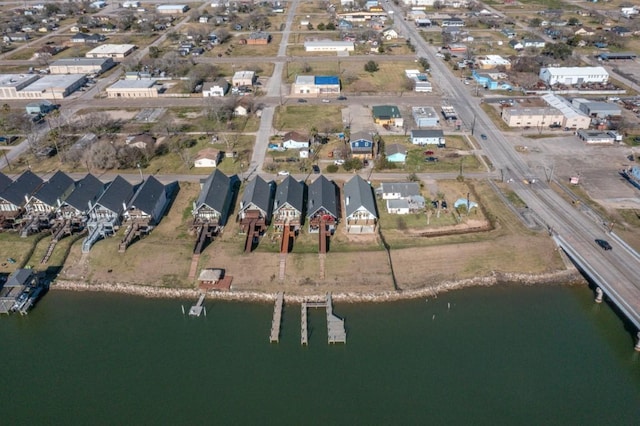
<point x="617" y="270"/>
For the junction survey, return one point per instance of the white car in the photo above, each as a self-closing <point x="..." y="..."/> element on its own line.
<point x="283" y="173"/>
<point x="338" y="162"/>
<point x="326" y="101"/>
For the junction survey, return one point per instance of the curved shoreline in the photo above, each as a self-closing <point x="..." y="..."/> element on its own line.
<point x="564" y="276"/>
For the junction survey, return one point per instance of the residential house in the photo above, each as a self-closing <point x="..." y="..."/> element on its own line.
<point x="584" y="31"/>
<point x="360" y="206"/>
<point x="322" y="205"/>
<point x="294" y="140"/>
<point x="361" y="144"/>
<point x="508" y="32"/>
<point x="257" y="203"/>
<point x="535" y="43"/>
<point x="402" y="197"/>
<point x="387" y="114"/>
<point x="289" y="204"/>
<point x="83" y="38"/>
<point x="491" y="81"/>
<point x="220" y="87"/>
<point x="46" y="199"/>
<point x="14" y="37"/>
<point x="390" y="34"/>
<point x="76" y="206"/>
<point x="14" y="197"/>
<point x="621" y="31"/>
<point x="214" y="203"/>
<point x="396" y="153"/>
<point x="150" y="202"/>
<point x="143" y="141"/>
<point x="4" y="181"/>
<point x="452" y="22"/>
<point x="516" y="45"/>
<point x="428" y="137"/>
<point x="243" y="108"/>
<point x="208" y="157"/>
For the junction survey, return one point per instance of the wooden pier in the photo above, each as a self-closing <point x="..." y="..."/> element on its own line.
<point x="277" y="318"/>
<point x="198" y="308"/>
<point x="336" y="332"/>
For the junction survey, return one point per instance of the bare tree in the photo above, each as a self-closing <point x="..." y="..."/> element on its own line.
<point x="101" y="155"/>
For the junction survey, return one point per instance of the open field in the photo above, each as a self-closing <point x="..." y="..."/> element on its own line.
<point x="389" y="78"/>
<point x="257" y="51"/>
<point x="304" y="117"/>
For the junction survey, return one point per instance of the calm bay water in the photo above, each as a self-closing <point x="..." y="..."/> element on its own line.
<point x="502" y="355"/>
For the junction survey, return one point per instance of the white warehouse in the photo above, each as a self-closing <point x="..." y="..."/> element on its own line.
<point x="573" y="75"/>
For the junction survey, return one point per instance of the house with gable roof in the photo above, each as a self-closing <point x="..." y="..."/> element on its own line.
<point x="360" y="207"/>
<point x="402" y="197"/>
<point x="322" y="205"/>
<point x="257" y="202"/>
<point x="361" y="144"/>
<point x="4" y="181"/>
<point x="76" y="206"/>
<point x="49" y="196"/>
<point x="14" y="197"/>
<point x="288" y="205"/>
<point x="150" y="202"/>
<point x="214" y="203"/>
<point x="105" y="216"/>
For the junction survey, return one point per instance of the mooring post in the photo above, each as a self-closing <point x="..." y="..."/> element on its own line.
<point x="637" y="347"/>
<point x="599" y="295"/>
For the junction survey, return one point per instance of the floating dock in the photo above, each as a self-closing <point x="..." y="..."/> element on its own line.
<point x="336" y="332"/>
<point x="197" y="309"/>
<point x="277" y="318"/>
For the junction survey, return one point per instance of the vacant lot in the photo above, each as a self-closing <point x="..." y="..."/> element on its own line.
<point x="305" y="117"/>
<point x="389" y="78"/>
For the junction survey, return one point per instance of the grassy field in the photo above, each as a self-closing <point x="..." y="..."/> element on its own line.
<point x="303" y="117"/>
<point x="495" y="117"/>
<point x="15" y="248"/>
<point x="292" y="69"/>
<point x="389" y="78"/>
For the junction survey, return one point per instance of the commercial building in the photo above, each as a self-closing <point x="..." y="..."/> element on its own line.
<point x="115" y="51"/>
<point x="172" y="9"/>
<point x="425" y="116"/>
<point x="387" y="114"/>
<point x="573" y="118"/>
<point x="243" y="78"/>
<point x="11" y="84"/>
<point x="492" y="61"/>
<point x="596" y="137"/>
<point x="328" y="46"/>
<point x="53" y="86"/>
<point x="573" y="75"/>
<point x="81" y="65"/>
<point x="597" y="109"/>
<point x="317" y="85"/>
<point x="532" y="117"/>
<point x="216" y="88"/>
<point x="133" y="89"/>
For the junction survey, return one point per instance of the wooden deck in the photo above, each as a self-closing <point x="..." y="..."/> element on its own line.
<point x="336" y="332"/>
<point x="197" y="309"/>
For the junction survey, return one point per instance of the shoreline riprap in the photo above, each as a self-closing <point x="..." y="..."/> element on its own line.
<point x="558" y="277"/>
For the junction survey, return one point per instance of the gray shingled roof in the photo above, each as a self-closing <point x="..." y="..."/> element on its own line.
<point x="54" y="189"/>
<point x="357" y="194"/>
<point x="22" y="187"/>
<point x="427" y="133"/>
<point x="260" y="193"/>
<point x="405" y="189"/>
<point x="291" y="192"/>
<point x="118" y="193"/>
<point x="147" y="195"/>
<point x="4" y="181"/>
<point x="322" y="194"/>
<point x="19" y="278"/>
<point x="215" y="191"/>
<point x="88" y="189"/>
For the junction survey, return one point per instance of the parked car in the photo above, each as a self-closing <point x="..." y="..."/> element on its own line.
<point x="326" y="101"/>
<point x="434" y="203"/>
<point x="604" y="244"/>
<point x="338" y="162"/>
<point x="428" y="153"/>
<point x="555" y="126"/>
<point x="431" y="159"/>
<point x="302" y="101"/>
<point x="341" y="98"/>
<point x="316" y="169"/>
<point x="483" y="137"/>
<point x="443" y="204"/>
<point x="283" y="173"/>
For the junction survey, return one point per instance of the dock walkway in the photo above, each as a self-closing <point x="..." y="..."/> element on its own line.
<point x="336" y="332"/>
<point x="277" y="318"/>
<point x="197" y="309"/>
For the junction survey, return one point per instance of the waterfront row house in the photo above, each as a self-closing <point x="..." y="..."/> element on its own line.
<point x="14" y="197"/>
<point x="150" y="202"/>
<point x="288" y="207"/>
<point x="322" y="205"/>
<point x="215" y="201"/>
<point x="257" y="205"/>
<point x="360" y="207"/>
<point x="76" y="206"/>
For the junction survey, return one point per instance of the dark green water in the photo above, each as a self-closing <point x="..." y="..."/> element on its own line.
<point x="504" y="355"/>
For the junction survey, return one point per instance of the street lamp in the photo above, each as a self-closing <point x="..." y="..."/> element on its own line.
<point x="140" y="170"/>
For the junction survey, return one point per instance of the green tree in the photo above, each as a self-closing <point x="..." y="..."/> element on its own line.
<point x="371" y="67"/>
<point x="321" y="26"/>
<point x="535" y="22"/>
<point x="330" y="26"/>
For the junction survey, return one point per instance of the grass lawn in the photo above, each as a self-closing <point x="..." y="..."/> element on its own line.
<point x="293" y="69"/>
<point x="147" y="261"/>
<point x="494" y="115"/>
<point x="16" y="248"/>
<point x="303" y="117"/>
<point x="389" y="78"/>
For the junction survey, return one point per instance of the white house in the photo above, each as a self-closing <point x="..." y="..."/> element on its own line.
<point x="629" y="11"/>
<point x="427" y="137"/>
<point x="573" y="75"/>
<point x="390" y="34"/>
<point x="215" y="88"/>
<point x="294" y="140"/>
<point x="208" y="157"/>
